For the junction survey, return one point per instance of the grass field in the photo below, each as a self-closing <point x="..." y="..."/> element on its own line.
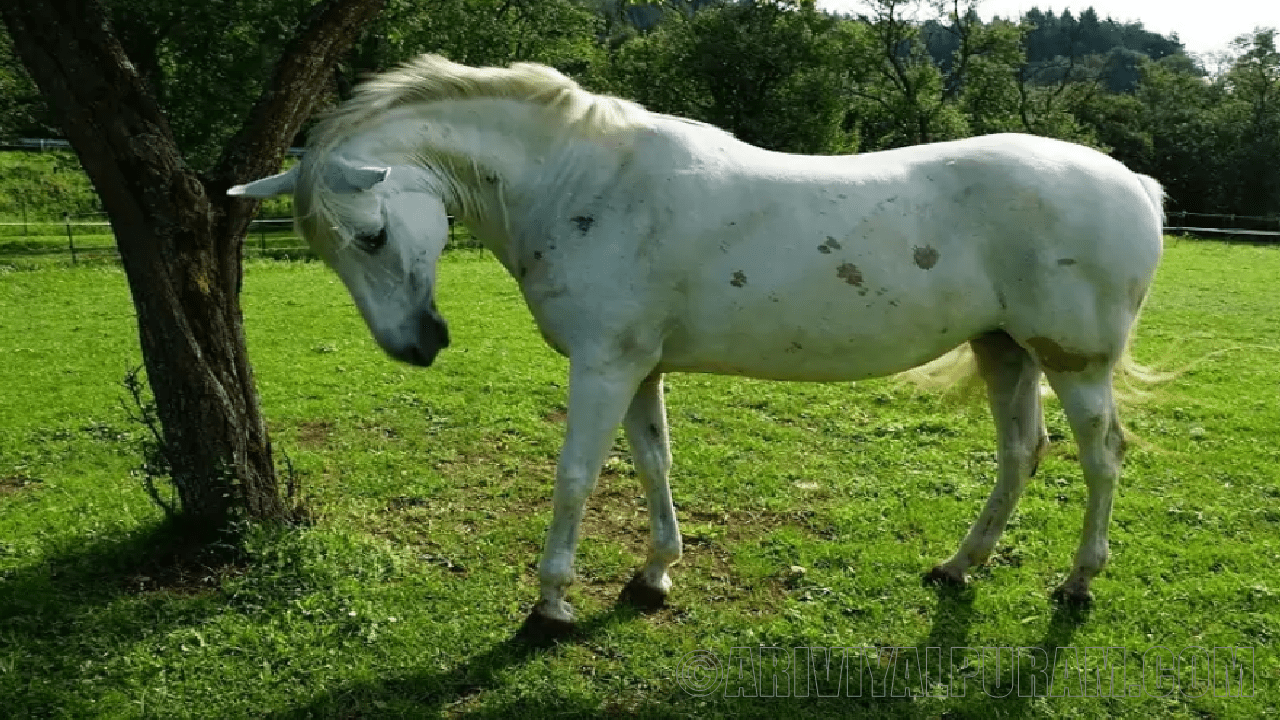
<point x="809" y="513"/>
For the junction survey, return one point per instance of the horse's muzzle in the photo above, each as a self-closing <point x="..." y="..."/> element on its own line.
<point x="429" y="335"/>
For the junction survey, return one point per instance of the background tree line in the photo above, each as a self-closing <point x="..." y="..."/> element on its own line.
<point x="777" y="73"/>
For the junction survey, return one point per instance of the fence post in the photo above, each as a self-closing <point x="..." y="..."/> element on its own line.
<point x="71" y="240"/>
<point x="262" y="238"/>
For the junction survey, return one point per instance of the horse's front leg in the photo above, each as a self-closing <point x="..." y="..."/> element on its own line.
<point x="599" y="394"/>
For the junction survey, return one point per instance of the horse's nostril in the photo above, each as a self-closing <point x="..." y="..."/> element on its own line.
<point x="419" y="340"/>
<point x="434" y="328"/>
<point x="422" y="358"/>
<point x="419" y="354"/>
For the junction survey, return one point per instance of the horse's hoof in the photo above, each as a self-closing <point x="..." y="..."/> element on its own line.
<point x="643" y="596"/>
<point x="1073" y="595"/>
<point x="943" y="576"/>
<point x="542" y="631"/>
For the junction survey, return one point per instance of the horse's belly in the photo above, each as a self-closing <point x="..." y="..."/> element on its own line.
<point x="816" y="330"/>
<point x="794" y="353"/>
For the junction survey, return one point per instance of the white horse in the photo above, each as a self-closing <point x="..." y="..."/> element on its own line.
<point x="647" y="244"/>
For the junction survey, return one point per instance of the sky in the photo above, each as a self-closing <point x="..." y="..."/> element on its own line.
<point x="1203" y="27"/>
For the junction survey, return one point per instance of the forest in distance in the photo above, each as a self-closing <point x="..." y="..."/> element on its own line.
<point x="781" y="74"/>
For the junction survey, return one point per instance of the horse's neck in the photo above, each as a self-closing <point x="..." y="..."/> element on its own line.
<point x="506" y="170"/>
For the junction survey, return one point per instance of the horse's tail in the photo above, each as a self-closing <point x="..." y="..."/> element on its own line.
<point x="954" y="372"/>
<point x="1155" y="193"/>
<point x="1131" y="377"/>
<point x="957" y="372"/>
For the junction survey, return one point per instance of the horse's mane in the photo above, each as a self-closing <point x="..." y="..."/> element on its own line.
<point x="568" y="109"/>
<point x="432" y="78"/>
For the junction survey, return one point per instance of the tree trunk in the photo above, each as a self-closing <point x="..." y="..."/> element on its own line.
<point x="180" y="237"/>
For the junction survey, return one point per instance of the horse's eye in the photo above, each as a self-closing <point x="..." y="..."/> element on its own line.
<point x="372" y="243"/>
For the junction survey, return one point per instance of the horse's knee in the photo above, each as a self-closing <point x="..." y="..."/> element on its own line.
<point x="1102" y="450"/>
<point x="1024" y="452"/>
<point x="1023" y="457"/>
<point x="574" y="485"/>
<point x="1115" y="439"/>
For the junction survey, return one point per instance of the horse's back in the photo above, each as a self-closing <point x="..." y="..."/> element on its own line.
<point x="840" y="268"/>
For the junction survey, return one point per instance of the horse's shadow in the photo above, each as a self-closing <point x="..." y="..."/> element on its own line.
<point x="41" y="606"/>
<point x="429" y="693"/>
<point x="966" y="677"/>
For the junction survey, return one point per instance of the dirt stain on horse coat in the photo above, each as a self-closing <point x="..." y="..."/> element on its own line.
<point x="850" y="273"/>
<point x="831" y="244"/>
<point x="1055" y="357"/>
<point x="925" y="257"/>
<point x="739" y="278"/>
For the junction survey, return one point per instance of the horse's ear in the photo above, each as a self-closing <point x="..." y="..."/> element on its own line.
<point x="352" y="178"/>
<point x="282" y="184"/>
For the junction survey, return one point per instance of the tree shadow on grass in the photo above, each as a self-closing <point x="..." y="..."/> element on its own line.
<point x="65" y="611"/>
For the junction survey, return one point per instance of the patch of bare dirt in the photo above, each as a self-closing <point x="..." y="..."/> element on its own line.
<point x="314" y="434"/>
<point x="10" y="484"/>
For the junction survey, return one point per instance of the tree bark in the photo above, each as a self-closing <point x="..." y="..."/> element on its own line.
<point x="179" y="236"/>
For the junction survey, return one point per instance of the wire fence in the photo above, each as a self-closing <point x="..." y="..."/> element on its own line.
<point x="1251" y="227"/>
<point x="79" y="238"/>
<point x="82" y="238"/>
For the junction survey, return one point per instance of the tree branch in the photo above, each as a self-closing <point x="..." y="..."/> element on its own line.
<point x="290" y="96"/>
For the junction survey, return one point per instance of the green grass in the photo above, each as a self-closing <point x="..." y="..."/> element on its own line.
<point x="432" y="490"/>
<point x="38" y="186"/>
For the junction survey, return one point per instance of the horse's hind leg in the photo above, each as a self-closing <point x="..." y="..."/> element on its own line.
<point x="1013" y="392"/>
<point x="1088" y="402"/>
<point x="646" y="427"/>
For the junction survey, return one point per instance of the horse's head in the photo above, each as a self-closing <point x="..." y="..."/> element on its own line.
<point x="382" y="229"/>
